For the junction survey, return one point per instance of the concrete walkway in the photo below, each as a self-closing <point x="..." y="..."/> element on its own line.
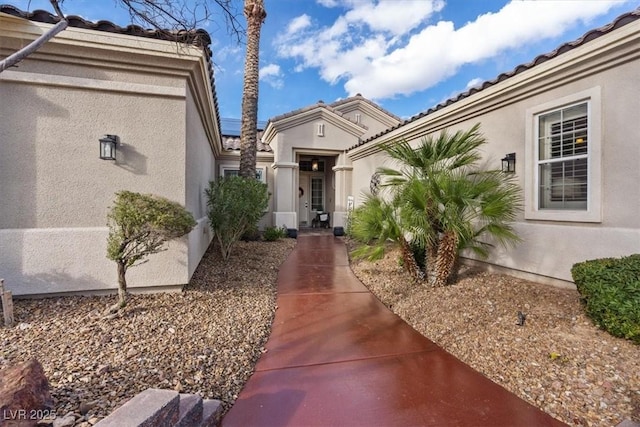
<point x="338" y="357"/>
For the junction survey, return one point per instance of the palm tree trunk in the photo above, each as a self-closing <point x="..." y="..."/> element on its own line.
<point x="446" y="259"/>
<point x="255" y="14"/>
<point x="455" y="271"/>
<point x="430" y="257"/>
<point x="409" y="261"/>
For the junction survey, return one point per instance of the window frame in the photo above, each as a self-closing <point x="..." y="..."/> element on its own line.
<point x="593" y="211"/>
<point x="312" y="195"/>
<point x="261" y="172"/>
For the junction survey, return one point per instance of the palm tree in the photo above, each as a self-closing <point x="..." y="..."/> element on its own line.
<point x="447" y="203"/>
<point x="255" y="13"/>
<point x="375" y="223"/>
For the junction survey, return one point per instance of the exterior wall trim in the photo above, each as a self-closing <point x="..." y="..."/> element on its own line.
<point x="317" y="113"/>
<point x="92" y="84"/>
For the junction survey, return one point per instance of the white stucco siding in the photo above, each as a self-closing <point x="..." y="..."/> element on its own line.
<point x="51" y="153"/>
<point x="372" y="124"/>
<point x="200" y="168"/>
<point x="54" y="188"/>
<point x="305" y="136"/>
<point x="56" y="191"/>
<point x="363" y="170"/>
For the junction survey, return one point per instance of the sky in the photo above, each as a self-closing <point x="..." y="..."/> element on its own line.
<point x="405" y="55"/>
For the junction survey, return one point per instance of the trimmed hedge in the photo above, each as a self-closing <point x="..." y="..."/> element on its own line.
<point x="610" y="291"/>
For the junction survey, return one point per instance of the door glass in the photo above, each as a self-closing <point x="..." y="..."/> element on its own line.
<point x="317" y="194"/>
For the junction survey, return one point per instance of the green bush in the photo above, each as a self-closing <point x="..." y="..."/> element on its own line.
<point x="251" y="235"/>
<point x="139" y="226"/>
<point x="271" y="234"/>
<point x="235" y="205"/>
<point x="610" y="291"/>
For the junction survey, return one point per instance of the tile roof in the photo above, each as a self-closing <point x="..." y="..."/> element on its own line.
<point x="359" y="97"/>
<point x="319" y="104"/>
<point x="197" y="37"/>
<point x="620" y="21"/>
<point x="232" y="143"/>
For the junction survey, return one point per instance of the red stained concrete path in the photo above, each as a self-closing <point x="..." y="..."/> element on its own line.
<point x="338" y="357"/>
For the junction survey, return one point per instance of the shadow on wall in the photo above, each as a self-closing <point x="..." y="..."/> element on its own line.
<point x="129" y="159"/>
<point x="19" y="147"/>
<point x="58" y="282"/>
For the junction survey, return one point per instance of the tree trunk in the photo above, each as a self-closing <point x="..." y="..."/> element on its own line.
<point x="430" y="257"/>
<point x="255" y="13"/>
<point x="122" y="285"/>
<point x="446" y="259"/>
<point x="455" y="271"/>
<point x="409" y="261"/>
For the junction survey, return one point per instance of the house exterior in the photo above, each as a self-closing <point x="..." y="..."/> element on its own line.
<point x="311" y="170"/>
<point x="569" y="117"/>
<point x="92" y="79"/>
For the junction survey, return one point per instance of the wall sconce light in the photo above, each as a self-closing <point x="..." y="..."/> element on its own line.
<point x="509" y="163"/>
<point x="314" y="165"/>
<point x="108" y="145"/>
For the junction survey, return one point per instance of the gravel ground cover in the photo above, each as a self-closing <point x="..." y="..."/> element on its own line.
<point x="204" y="340"/>
<point x="558" y="361"/>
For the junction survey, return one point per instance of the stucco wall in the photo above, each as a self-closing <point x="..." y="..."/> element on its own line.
<point x="305" y="136"/>
<point x="55" y="190"/>
<point x="550" y="248"/>
<point x="199" y="170"/>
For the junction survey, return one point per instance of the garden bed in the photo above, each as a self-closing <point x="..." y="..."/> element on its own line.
<point x="204" y="340"/>
<point x="558" y="360"/>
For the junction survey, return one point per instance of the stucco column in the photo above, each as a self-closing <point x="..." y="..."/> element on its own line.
<point x="343" y="171"/>
<point x="285" y="194"/>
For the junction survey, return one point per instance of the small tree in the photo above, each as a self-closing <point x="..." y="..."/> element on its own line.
<point x="234" y="206"/>
<point x="139" y="225"/>
<point x="442" y="201"/>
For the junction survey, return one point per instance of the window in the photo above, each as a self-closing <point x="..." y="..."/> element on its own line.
<point x="562" y="158"/>
<point x="562" y="170"/>
<point x="317" y="194"/>
<point x="261" y="172"/>
<point x="320" y="129"/>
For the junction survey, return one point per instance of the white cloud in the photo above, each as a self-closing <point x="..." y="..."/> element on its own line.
<point x="381" y="50"/>
<point x="298" y="24"/>
<point x="272" y="75"/>
<point x="270" y="70"/>
<point x="328" y="3"/>
<point x="474" y="83"/>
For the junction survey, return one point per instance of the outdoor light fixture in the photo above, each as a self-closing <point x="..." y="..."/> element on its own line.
<point x="108" y="145"/>
<point x="509" y="163"/>
<point x="314" y="165"/>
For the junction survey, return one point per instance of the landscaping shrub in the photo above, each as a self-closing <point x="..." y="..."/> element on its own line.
<point x="235" y="205"/>
<point x="139" y="226"/>
<point x="271" y="234"/>
<point x="610" y="291"/>
<point x="251" y="235"/>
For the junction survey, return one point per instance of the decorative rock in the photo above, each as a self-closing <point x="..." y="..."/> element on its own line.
<point x="67" y="421"/>
<point x="86" y="407"/>
<point x="24" y="390"/>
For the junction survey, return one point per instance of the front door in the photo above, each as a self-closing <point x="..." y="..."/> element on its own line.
<point x="310" y="198"/>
